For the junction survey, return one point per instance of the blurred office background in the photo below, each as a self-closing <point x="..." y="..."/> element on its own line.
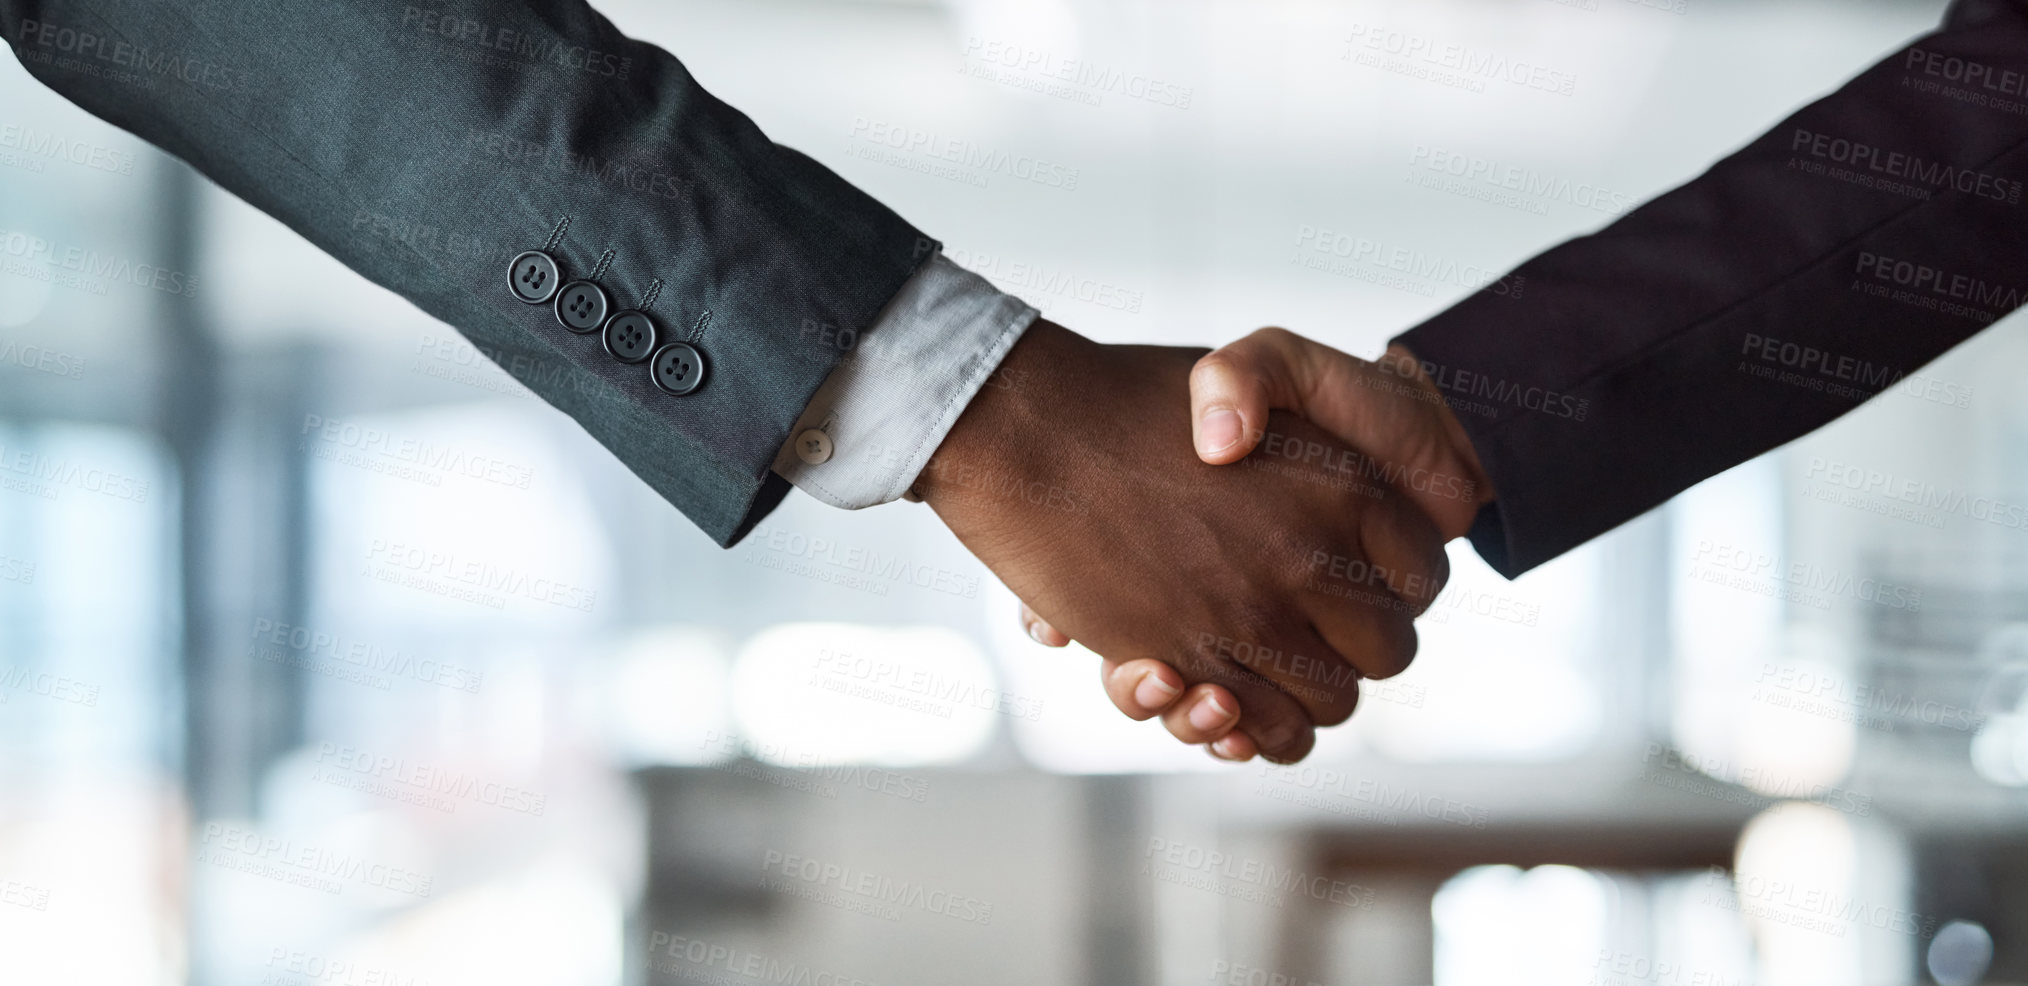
<point x="330" y="656"/>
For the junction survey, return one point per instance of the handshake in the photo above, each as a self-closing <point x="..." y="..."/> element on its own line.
<point x="1242" y="535"/>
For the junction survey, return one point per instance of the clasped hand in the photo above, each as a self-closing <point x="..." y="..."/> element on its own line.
<point x="1242" y="536"/>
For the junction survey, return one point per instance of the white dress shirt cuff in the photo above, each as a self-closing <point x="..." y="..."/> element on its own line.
<point x="873" y="425"/>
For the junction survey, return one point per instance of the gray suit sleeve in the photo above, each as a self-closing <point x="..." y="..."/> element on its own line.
<point x="507" y="122"/>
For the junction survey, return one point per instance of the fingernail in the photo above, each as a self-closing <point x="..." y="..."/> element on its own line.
<point x="1154" y="693"/>
<point x="1209" y="714"/>
<point x="1217" y="430"/>
<point x="1224" y="749"/>
<point x="1276" y="736"/>
<point x="1035" y="633"/>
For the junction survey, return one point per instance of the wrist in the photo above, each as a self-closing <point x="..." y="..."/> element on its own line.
<point x="995" y="440"/>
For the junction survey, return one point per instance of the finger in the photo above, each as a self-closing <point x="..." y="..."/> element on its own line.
<point x="1236" y="747"/>
<point x="1142" y="689"/>
<point x="1233" y="388"/>
<point x="1404" y="551"/>
<point x="1204" y="715"/>
<point x="1376" y="643"/>
<point x="1301" y="665"/>
<point x="1282" y="748"/>
<point x="1368" y="607"/>
<point x="1279" y="723"/>
<point x="1040" y="631"/>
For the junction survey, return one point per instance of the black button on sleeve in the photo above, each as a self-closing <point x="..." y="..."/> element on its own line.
<point x="534" y="277"/>
<point x="678" y="368"/>
<point x="630" y="336"/>
<point x="582" y="306"/>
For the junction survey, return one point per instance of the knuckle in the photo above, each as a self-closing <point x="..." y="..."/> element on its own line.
<point x="1214" y="365"/>
<point x="1197" y="663"/>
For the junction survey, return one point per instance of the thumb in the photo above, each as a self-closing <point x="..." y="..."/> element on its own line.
<point x="1233" y="388"/>
<point x="1389" y="411"/>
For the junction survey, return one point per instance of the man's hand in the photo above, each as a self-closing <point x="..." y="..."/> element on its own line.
<point x="1387" y="409"/>
<point x="1072" y="476"/>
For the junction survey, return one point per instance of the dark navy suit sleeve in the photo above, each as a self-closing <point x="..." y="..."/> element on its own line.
<point x="1861" y="238"/>
<point x="505" y="122"/>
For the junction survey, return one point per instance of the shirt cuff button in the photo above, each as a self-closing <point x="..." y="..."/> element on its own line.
<point x="813" y="447"/>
